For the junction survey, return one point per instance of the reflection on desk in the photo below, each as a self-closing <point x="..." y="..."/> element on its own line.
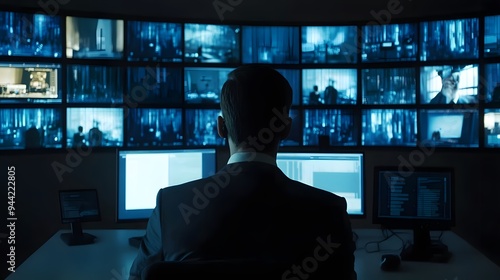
<point x="111" y="256"/>
<point x="466" y="262"/>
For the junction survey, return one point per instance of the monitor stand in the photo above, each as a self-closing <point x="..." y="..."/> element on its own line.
<point x="424" y="249"/>
<point x="77" y="236"/>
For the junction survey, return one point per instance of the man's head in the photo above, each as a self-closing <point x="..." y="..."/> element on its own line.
<point x="255" y="104"/>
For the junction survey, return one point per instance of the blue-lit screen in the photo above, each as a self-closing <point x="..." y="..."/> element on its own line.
<point x="151" y="127"/>
<point x="271" y="44"/>
<point x="389" y="86"/>
<point x="210" y="43"/>
<point x="201" y="128"/>
<point x="203" y="84"/>
<point x="154" y="41"/>
<point x="329" y="86"/>
<point x="390" y="42"/>
<point x="94" y="127"/>
<point x="457" y="84"/>
<point x="492" y="83"/>
<point x="94" y="38"/>
<point x="339" y="127"/>
<point x="94" y="84"/>
<point x="492" y="127"/>
<point x="22" y="128"/>
<point x="329" y="44"/>
<point x="449" y="39"/>
<point x="449" y="128"/>
<point x="492" y="36"/>
<point x="153" y="84"/>
<point x="23" y="34"/>
<point x="389" y="127"/>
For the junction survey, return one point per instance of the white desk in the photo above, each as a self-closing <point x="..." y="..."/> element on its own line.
<point x="111" y="256"/>
<point x="466" y="262"/>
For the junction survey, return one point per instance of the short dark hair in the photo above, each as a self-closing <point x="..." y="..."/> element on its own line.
<point x="249" y="100"/>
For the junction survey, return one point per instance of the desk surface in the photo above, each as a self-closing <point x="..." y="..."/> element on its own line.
<point x="110" y="258"/>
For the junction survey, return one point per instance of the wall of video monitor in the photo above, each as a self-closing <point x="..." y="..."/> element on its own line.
<point x="74" y="80"/>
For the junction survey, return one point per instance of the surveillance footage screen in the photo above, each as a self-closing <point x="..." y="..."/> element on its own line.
<point x="94" y="127"/>
<point x="492" y="127"/>
<point x="154" y="127"/>
<point x="211" y="43"/>
<point x="294" y="138"/>
<point x="23" y="34"/>
<point x="94" y="84"/>
<point x="492" y="36"/>
<point x="271" y="44"/>
<point x="29" y="128"/>
<point x="492" y="83"/>
<point x="389" y="42"/>
<point x="201" y="128"/>
<point x="389" y="127"/>
<point x="154" y="41"/>
<point x="447" y="84"/>
<point x="154" y="84"/>
<point x="337" y="127"/>
<point x="293" y="78"/>
<point x="329" y="44"/>
<point x="389" y="86"/>
<point x="94" y="38"/>
<point x="449" y="39"/>
<point x="204" y="84"/>
<point x="30" y="83"/>
<point x="449" y="128"/>
<point x="329" y="86"/>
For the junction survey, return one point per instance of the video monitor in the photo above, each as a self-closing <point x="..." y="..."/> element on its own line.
<point x="95" y="38"/>
<point x="212" y="43"/>
<point x="389" y="127"/>
<point x="421" y="199"/>
<point x="271" y="44"/>
<point x="455" y="128"/>
<point x="390" y="42"/>
<point x="77" y="207"/>
<point x="338" y="173"/>
<point x="30" y="83"/>
<point x="492" y="128"/>
<point x="154" y="41"/>
<point x="491" y="83"/>
<point x="329" y="44"/>
<point x="201" y="128"/>
<point x="24" y="34"/>
<point x="94" y="84"/>
<point x="492" y="36"/>
<point x="154" y="127"/>
<point x="295" y="136"/>
<point x="293" y="78"/>
<point x="142" y="173"/>
<point x="449" y="84"/>
<point x="94" y="127"/>
<point x="449" y="39"/>
<point x="329" y="86"/>
<point x="331" y="127"/>
<point x="153" y="85"/>
<point x="30" y="128"/>
<point x="204" y="84"/>
<point x="389" y="86"/>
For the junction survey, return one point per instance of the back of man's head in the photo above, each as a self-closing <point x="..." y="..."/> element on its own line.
<point x="254" y="102"/>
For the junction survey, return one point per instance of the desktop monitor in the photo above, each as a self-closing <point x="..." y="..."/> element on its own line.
<point x="421" y="199"/>
<point x="142" y="173"/>
<point x="339" y="173"/>
<point x="78" y="206"/>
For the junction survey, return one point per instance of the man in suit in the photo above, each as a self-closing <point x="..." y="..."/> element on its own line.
<point x="249" y="209"/>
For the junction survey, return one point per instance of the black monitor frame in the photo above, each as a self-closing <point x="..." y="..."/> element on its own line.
<point x="422" y="248"/>
<point x="77" y="236"/>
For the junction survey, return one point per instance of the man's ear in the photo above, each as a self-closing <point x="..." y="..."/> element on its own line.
<point x="221" y="127"/>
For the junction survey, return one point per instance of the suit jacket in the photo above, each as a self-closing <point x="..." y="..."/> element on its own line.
<point x="251" y="210"/>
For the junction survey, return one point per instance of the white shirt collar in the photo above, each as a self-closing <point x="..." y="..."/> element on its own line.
<point x="251" y="157"/>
